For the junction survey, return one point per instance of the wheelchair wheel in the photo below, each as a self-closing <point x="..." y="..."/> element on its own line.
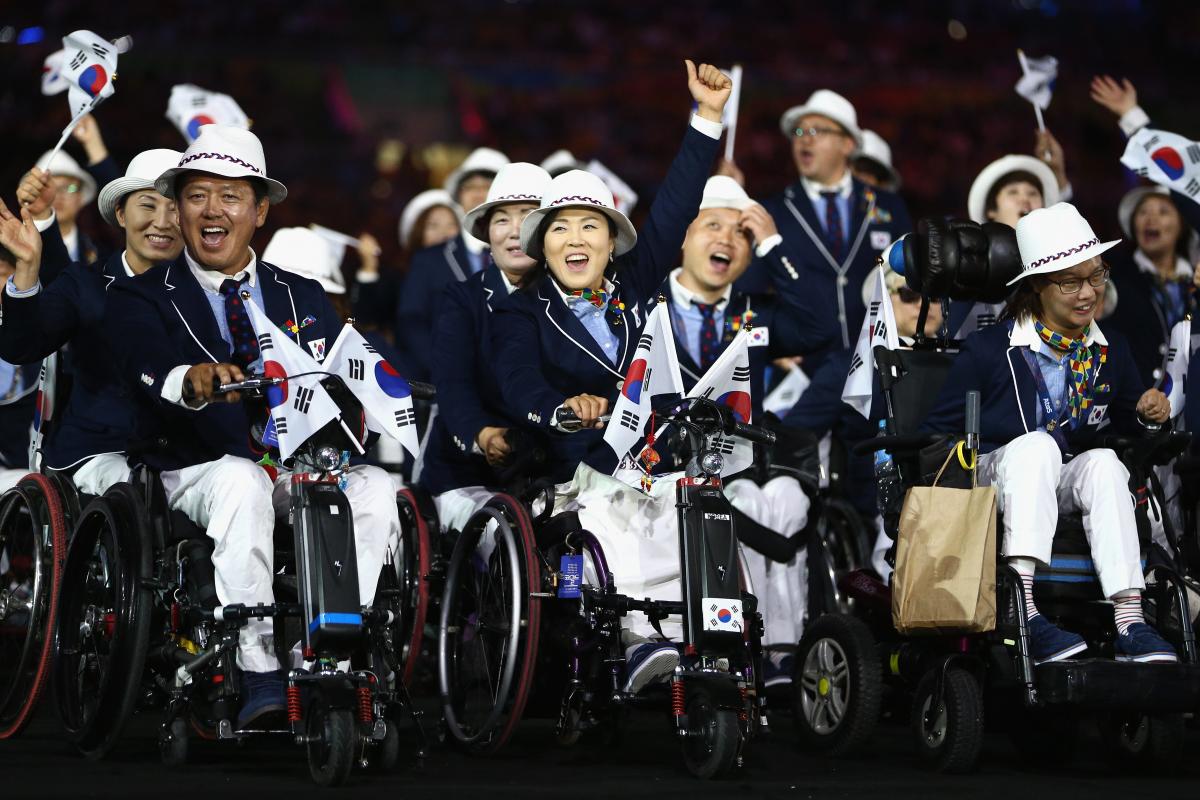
<point x="838" y="685"/>
<point x="104" y="621"/>
<point x="488" y="632"/>
<point x="173" y="743"/>
<point x="331" y="742"/>
<point x="949" y="729"/>
<point x="835" y="548"/>
<point x="413" y="569"/>
<point x="710" y="749"/>
<point x="1143" y="741"/>
<point x="33" y="544"/>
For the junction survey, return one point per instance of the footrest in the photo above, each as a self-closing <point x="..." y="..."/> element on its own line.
<point x="1116" y="685"/>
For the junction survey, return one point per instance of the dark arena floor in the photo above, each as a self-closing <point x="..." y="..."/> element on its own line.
<point x="647" y="764"/>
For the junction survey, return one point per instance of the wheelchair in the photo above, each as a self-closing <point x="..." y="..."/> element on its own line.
<point x="847" y="665"/>
<point x="520" y="634"/>
<point x="140" y="625"/>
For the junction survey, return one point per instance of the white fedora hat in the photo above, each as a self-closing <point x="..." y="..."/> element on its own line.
<point x="560" y="161"/>
<point x="518" y="182"/>
<point x="1055" y="238"/>
<point x="828" y="104"/>
<point x="993" y="172"/>
<point x="875" y="148"/>
<point x="722" y="191"/>
<point x="226" y="151"/>
<point x="68" y="167"/>
<point x="424" y="201"/>
<point x="141" y="173"/>
<point x="307" y="253"/>
<point x="577" y="189"/>
<point x="481" y="159"/>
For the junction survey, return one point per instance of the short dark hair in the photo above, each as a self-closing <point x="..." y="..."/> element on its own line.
<point x="1009" y="178"/>
<point x="1025" y="301"/>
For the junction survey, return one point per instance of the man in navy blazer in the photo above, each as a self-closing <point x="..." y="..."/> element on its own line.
<point x="836" y="225"/>
<point x="182" y="324"/>
<point x="1049" y="383"/>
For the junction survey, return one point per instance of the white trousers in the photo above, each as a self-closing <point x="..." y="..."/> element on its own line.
<point x="1033" y="485"/>
<point x="782" y="589"/>
<point x="100" y="473"/>
<point x="236" y="503"/>
<point x="457" y="506"/>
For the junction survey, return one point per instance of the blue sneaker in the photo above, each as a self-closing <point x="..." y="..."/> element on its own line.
<point x="1143" y="644"/>
<point x="263" y="700"/>
<point x="1050" y="643"/>
<point x="647" y="663"/>
<point x="777" y="669"/>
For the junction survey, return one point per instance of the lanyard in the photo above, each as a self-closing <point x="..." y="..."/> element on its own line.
<point x="1054" y="422"/>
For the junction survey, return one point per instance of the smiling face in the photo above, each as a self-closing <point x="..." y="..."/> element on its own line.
<point x="715" y="251"/>
<point x="151" y="226"/>
<point x="825" y="157"/>
<point x="504" y="237"/>
<point x="1156" y="226"/>
<point x="1069" y="314"/>
<point x="218" y="217"/>
<point x="1015" y="200"/>
<point x="578" y="246"/>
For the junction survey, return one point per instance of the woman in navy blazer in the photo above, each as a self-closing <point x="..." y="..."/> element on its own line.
<point x="1049" y="382"/>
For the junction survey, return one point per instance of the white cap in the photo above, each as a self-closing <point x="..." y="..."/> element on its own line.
<point x="828" y="104"/>
<point x="560" y="161"/>
<point x="518" y="182"/>
<point x="227" y="151"/>
<point x="722" y="191"/>
<point x="307" y="253"/>
<point x="422" y="203"/>
<point x="65" y="165"/>
<point x="577" y="189"/>
<point x="993" y="172"/>
<point x="1055" y="238"/>
<point x="875" y="148"/>
<point x="141" y="173"/>
<point x="481" y="159"/>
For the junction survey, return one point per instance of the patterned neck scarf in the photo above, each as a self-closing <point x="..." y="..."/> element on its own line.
<point x="1083" y="361"/>
<point x="598" y="299"/>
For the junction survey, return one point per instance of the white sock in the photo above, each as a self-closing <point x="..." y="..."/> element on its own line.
<point x="1025" y="567"/>
<point x="1127" y="609"/>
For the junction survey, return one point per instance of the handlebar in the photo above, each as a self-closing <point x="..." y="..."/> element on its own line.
<point x="569" y="422"/>
<point x="754" y="433"/>
<point x="699" y="412"/>
<point x="257" y="384"/>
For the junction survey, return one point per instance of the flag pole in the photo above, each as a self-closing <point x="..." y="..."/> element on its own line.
<point x="66" y="132"/>
<point x="736" y="100"/>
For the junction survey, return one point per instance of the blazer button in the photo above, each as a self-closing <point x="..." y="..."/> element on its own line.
<point x="620" y="385"/>
<point x="162" y="442"/>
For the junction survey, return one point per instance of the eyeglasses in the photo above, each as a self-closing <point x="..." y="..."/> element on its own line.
<point x="1073" y="285"/>
<point x="70" y="188"/>
<point x="813" y="133"/>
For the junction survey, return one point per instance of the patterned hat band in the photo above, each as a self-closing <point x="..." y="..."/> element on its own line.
<point x="578" y="199"/>
<point x="220" y="157"/>
<point x="1079" y="248"/>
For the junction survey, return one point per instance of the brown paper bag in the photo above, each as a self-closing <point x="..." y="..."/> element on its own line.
<point x="945" y="579"/>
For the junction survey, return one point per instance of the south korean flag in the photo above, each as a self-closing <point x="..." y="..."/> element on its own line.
<point x="89" y="68"/>
<point x="1166" y="158"/>
<point x="879" y="328"/>
<point x="385" y="396"/>
<point x="727" y="382"/>
<point x="654" y="371"/>
<point x="190" y="107"/>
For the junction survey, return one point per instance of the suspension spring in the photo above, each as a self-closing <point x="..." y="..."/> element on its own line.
<point x="678" y="699"/>
<point x="293" y="703"/>
<point x="366" y="714"/>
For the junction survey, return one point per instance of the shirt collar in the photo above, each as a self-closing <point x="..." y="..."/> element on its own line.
<point x="1024" y="334"/>
<point x="474" y="246"/>
<point x="684" y="297"/>
<point x="1183" y="270"/>
<point x="813" y="189"/>
<point x="572" y="302"/>
<point x="71" y="240"/>
<point x="509" y="286"/>
<point x="125" y="263"/>
<point x="211" y="279"/>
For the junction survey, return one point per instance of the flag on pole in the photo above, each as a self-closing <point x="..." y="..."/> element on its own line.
<point x="1037" y="79"/>
<point x="300" y="406"/>
<point x="879" y="327"/>
<point x="981" y="315"/>
<point x="337" y="237"/>
<point x="1175" y="369"/>
<point x="730" y="115"/>
<point x="89" y="69"/>
<point x="1167" y="159"/>
<point x="654" y="371"/>
<point x="190" y="107"/>
<point x="624" y="197"/>
<point x="385" y="396"/>
<point x="52" y="80"/>
<point x="727" y="382"/>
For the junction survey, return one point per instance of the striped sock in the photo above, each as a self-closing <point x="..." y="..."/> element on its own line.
<point x="1025" y="567"/>
<point x="1127" y="609"/>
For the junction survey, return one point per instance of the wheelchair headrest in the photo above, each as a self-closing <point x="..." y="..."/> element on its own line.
<point x="958" y="260"/>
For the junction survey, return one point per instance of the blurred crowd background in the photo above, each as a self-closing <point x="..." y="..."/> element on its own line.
<point x="362" y="105"/>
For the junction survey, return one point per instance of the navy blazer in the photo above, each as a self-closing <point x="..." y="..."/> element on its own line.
<point x="544" y="355"/>
<point x="1191" y="411"/>
<point x="468" y="392"/>
<point x="161" y="320"/>
<point x="989" y="364"/>
<point x="99" y="414"/>
<point x="877" y="218"/>
<point x="1140" y="316"/>
<point x="429" y="272"/>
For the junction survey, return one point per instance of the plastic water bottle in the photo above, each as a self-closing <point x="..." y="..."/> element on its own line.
<point x="887" y="480"/>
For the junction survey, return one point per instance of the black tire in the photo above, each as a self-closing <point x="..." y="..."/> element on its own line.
<point x="412" y="570"/>
<point x="489" y="627"/>
<point x="387" y="752"/>
<point x="173" y="743"/>
<point x="949" y="732"/>
<point x="332" y="735"/>
<point x="837" y="687"/>
<point x="710" y="749"/>
<point x="104" y="622"/>
<point x="1143" y="741"/>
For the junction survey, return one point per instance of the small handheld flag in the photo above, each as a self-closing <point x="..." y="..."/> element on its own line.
<point x="654" y="371"/>
<point x="879" y="327"/>
<point x="1037" y="82"/>
<point x="52" y="80"/>
<point x="385" y="396"/>
<point x="730" y="115"/>
<point x="727" y="382"/>
<point x="190" y="107"/>
<point x="1175" y="367"/>
<point x="1166" y="158"/>
<point x="89" y="69"/>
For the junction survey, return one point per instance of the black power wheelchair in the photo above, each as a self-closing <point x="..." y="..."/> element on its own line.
<point x="140" y="625"/>
<point x="848" y="665"/>
<point x="520" y="634"/>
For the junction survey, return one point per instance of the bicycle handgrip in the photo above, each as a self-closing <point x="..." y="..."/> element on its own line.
<point x="423" y="391"/>
<point x="754" y="433"/>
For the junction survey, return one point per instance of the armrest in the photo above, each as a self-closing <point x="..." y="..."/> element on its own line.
<point x="897" y="444"/>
